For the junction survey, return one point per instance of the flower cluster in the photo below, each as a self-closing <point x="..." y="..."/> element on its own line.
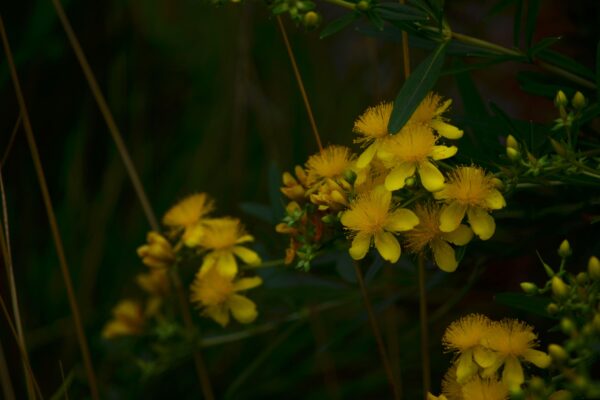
<point x="192" y="235"/>
<point x="489" y="357"/>
<point x="366" y="195"/>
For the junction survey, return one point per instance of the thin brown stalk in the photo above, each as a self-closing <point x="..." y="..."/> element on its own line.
<point x="62" y="375"/>
<point x="133" y="175"/>
<point x="377" y="333"/>
<point x="405" y="50"/>
<point x="11" y="140"/>
<point x="7" y="387"/>
<point x="424" y="327"/>
<point x="51" y="217"/>
<point x="300" y="82"/>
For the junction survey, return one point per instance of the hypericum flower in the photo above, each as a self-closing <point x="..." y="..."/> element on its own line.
<point x="470" y="190"/>
<point x="188" y="213"/>
<point x="373" y="217"/>
<point x="428" y="235"/>
<point x="217" y="295"/>
<point x="412" y="150"/>
<point x="450" y="387"/>
<point x="465" y="336"/>
<point x="331" y="195"/>
<point x="331" y="162"/>
<point x="158" y="253"/>
<point x="484" y="389"/>
<point x="429" y="113"/>
<point x="372" y="128"/>
<point x="128" y="319"/>
<point x="223" y="237"/>
<point x="432" y="397"/>
<point x="513" y="341"/>
<point x="295" y="187"/>
<point x="156" y="284"/>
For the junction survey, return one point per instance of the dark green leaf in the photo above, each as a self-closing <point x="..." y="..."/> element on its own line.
<point x="338" y="24"/>
<point x="565" y="62"/>
<point x="541" y="84"/>
<point x="475" y="66"/>
<point x="541" y="45"/>
<point x="259" y="211"/>
<point x="531" y="304"/>
<point x="598" y="72"/>
<point x="416" y="87"/>
<point x="374" y="17"/>
<point x="530" y="24"/>
<point x="400" y="12"/>
<point x="423" y="6"/>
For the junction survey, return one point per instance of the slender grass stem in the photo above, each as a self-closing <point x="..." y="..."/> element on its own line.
<point x="11" y="141"/>
<point x="377" y="333"/>
<point x="89" y="368"/>
<point x="424" y="327"/>
<point x="7" y="387"/>
<point x="300" y="83"/>
<point x="405" y="51"/>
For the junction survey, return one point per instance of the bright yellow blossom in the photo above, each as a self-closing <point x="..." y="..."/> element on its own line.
<point x="429" y="113"/>
<point x="331" y="162"/>
<point x="128" y="319"/>
<point x="414" y="149"/>
<point x="217" y="295"/>
<point x="484" y="389"/>
<point x="223" y="238"/>
<point x="156" y="284"/>
<point x="187" y="214"/>
<point x="428" y="235"/>
<point x="372" y="217"/>
<point x="372" y="128"/>
<point x="513" y="341"/>
<point x="470" y="191"/>
<point x="450" y="387"/>
<point x="465" y="336"/>
<point x="295" y="187"/>
<point x="432" y="397"/>
<point x="158" y="253"/>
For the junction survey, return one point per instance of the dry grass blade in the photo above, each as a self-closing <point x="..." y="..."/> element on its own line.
<point x="51" y="217"/>
<point x="7" y="387"/>
<point x="11" y="141"/>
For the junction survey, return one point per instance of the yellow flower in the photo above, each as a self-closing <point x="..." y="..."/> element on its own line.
<point x="331" y="195"/>
<point x="372" y="128"/>
<point x="450" y="387"/>
<point x="372" y="217"/>
<point x="513" y="341"/>
<point x="429" y="113"/>
<point x="158" y="253"/>
<point x="186" y="214"/>
<point x="331" y="162"/>
<point x="156" y="284"/>
<point x="465" y="336"/>
<point x="484" y="389"/>
<point x="428" y="235"/>
<point x="128" y="319"/>
<point x="432" y="397"/>
<point x="470" y="190"/>
<point x="414" y="149"/>
<point x="217" y="295"/>
<point x="295" y="187"/>
<point x="223" y="237"/>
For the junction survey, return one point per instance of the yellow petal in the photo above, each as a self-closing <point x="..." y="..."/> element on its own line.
<point x="226" y="264"/>
<point x="388" y="246"/>
<point x="360" y="246"/>
<point x="460" y="236"/>
<point x="247" y="283"/>
<point x="444" y="256"/>
<point x="218" y="313"/>
<point x="242" y="308"/>
<point x="482" y="223"/>
<point x="366" y="157"/>
<point x="539" y="358"/>
<point x="443" y="152"/>
<point x="246" y="255"/>
<point x="484" y="357"/>
<point x="192" y="235"/>
<point x="208" y="262"/>
<point x="245" y="238"/>
<point x="465" y="367"/>
<point x="400" y="220"/>
<point x="351" y="219"/>
<point x="446" y="130"/>
<point x="395" y="179"/>
<point x="431" y="177"/>
<point x="451" y="216"/>
<point x="495" y="200"/>
<point x="512" y="376"/>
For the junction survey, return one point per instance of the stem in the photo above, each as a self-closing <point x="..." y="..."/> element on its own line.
<point x="300" y="83"/>
<point x="342" y="3"/>
<point x="424" y="328"/>
<point x="83" y="345"/>
<point x="405" y="51"/>
<point x="376" y="332"/>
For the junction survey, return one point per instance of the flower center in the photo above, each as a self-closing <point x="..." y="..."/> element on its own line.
<point x="412" y="144"/>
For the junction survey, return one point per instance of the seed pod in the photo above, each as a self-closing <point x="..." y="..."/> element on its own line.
<point x="560" y="100"/>
<point x="529" y="288"/>
<point x="558" y="353"/>
<point x="578" y="101"/>
<point x="564" y="249"/>
<point x="559" y="287"/>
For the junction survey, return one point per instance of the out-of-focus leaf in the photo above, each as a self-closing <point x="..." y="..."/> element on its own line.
<point x="565" y="62"/>
<point x="540" y="85"/>
<point x="423" y="6"/>
<point x="344" y="265"/>
<point x="590" y="113"/>
<point x="374" y="268"/>
<point x="598" y="71"/>
<point x="259" y="211"/>
<point x="62" y="390"/>
<point x="532" y="304"/>
<point x="532" y="15"/>
<point x="416" y="88"/>
<point x="402" y="12"/>
<point x="374" y="17"/>
<point x="275" y="197"/>
<point x="541" y="45"/>
<point x="475" y="66"/>
<point x="338" y="24"/>
<point x="517" y="23"/>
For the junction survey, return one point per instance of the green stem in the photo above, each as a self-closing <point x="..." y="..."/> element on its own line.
<point x="342" y="3"/>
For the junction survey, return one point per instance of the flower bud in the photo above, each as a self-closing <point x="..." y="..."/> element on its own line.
<point x="561" y="99"/>
<point x="558" y="353"/>
<point x="558" y="147"/>
<point x="363" y="5"/>
<point x="594" y="268"/>
<point x="559" y="287"/>
<point x="564" y="250"/>
<point x="578" y="101"/>
<point x="410" y="182"/>
<point x="596" y="322"/>
<point x="529" y="288"/>
<point x="567" y="326"/>
<point x="552" y="308"/>
<point x="537" y="384"/>
<point x="582" y="278"/>
<point x="311" y="19"/>
<point x="512" y="142"/>
<point x="513" y="154"/>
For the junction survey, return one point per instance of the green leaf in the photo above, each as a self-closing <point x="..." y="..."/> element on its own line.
<point x="400" y="12"/>
<point x="530" y="24"/>
<point x="62" y="390"/>
<point x="338" y="24"/>
<point x="416" y="87"/>
<point x="374" y="17"/>
<point x="565" y="62"/>
<point x="520" y="301"/>
<point x="541" y="45"/>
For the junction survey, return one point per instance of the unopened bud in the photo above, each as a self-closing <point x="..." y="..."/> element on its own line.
<point x="311" y="19"/>
<point x="537" y="384"/>
<point x="578" y="101"/>
<point x="529" y="288"/>
<point x="512" y="142"/>
<point x="329" y="219"/>
<point x="410" y="182"/>
<point x="567" y="326"/>
<point x="363" y="5"/>
<point x="513" y="154"/>
<point x="558" y="353"/>
<point x="558" y="147"/>
<point x="552" y="308"/>
<point x="596" y="322"/>
<point x="582" y="278"/>
<point x="561" y="99"/>
<point x="559" y="287"/>
<point x="564" y="250"/>
<point x="594" y="268"/>
<point x="531" y="158"/>
<point x="498" y="184"/>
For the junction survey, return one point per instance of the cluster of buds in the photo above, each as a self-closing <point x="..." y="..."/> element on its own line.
<point x="300" y="11"/>
<point x="568" y="114"/>
<point x="576" y="304"/>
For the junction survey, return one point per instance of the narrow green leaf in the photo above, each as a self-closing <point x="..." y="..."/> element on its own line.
<point x="498" y="7"/>
<point x="531" y="304"/>
<point x="517" y="23"/>
<point x="475" y="66"/>
<point x="62" y="390"/>
<point x="530" y="25"/>
<point x="416" y="88"/>
<point x="598" y="71"/>
<point x="541" y="45"/>
<point x="565" y="62"/>
<point x="338" y="24"/>
<point x="374" y="17"/>
<point x="400" y="12"/>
